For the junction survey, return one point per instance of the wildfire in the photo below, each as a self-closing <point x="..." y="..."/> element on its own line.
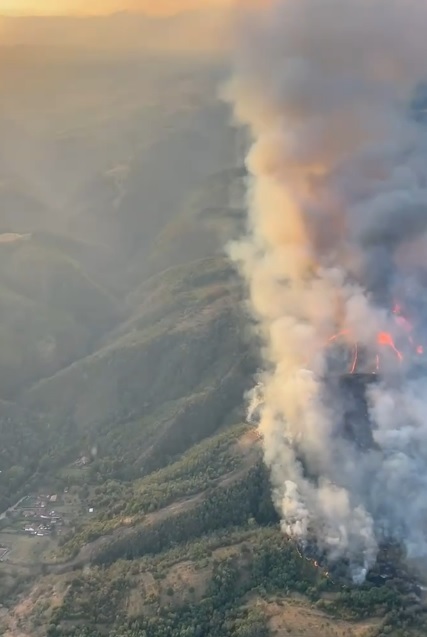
<point x="338" y="335"/>
<point x="384" y="340"/>
<point x="314" y="563"/>
<point x="355" y="357"/>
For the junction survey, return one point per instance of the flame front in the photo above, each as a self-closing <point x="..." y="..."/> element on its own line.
<point x="337" y="194"/>
<point x="386" y="339"/>
<point x="383" y="341"/>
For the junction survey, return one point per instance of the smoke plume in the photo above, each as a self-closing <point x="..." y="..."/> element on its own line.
<point x="337" y="226"/>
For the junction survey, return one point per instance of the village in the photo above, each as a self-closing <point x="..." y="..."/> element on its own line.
<point x="34" y="525"/>
<point x="40" y="515"/>
<point x="32" y="516"/>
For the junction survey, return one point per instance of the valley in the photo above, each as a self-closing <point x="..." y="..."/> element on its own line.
<point x="127" y="351"/>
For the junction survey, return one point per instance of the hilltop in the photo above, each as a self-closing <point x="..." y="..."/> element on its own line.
<point x="134" y="498"/>
<point x="164" y="505"/>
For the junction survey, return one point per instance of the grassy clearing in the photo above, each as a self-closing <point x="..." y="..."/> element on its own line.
<point x="295" y="617"/>
<point x="26" y="549"/>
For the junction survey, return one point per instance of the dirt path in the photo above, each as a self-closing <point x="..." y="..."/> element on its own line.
<point x="12" y="508"/>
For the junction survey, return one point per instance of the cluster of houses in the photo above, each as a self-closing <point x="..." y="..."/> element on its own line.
<point x="42" y="517"/>
<point x="38" y="529"/>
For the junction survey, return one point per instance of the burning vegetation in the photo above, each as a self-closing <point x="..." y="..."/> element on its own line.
<point x="390" y="349"/>
<point x="337" y="230"/>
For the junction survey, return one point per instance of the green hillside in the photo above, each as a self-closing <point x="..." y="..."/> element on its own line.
<point x="210" y="217"/>
<point x="47" y="274"/>
<point x="169" y="527"/>
<point x="173" y="373"/>
<point x="182" y="341"/>
<point x="134" y="501"/>
<point x="51" y="312"/>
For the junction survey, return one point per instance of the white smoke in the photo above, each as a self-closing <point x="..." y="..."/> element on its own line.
<point x="337" y="217"/>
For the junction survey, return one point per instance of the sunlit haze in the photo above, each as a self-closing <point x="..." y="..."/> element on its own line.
<point x="98" y="7"/>
<point x="213" y="318"/>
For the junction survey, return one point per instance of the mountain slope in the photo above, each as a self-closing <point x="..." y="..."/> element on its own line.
<point x="142" y="507"/>
<point x="51" y="312"/>
<point x="144" y="362"/>
<point x="183" y="537"/>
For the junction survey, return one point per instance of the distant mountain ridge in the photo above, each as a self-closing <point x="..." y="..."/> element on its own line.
<point x="202" y="30"/>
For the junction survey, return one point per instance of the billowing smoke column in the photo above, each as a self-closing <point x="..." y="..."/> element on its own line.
<point x="337" y="235"/>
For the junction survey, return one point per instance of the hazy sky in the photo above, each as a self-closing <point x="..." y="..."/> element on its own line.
<point x="56" y="7"/>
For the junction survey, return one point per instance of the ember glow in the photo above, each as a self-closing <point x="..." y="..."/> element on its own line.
<point x="384" y="341"/>
<point x="335" y="265"/>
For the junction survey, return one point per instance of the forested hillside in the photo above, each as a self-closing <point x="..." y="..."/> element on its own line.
<point x="134" y="499"/>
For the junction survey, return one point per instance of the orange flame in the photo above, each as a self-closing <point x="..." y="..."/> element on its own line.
<point x="338" y="334"/>
<point x="385" y="338"/>
<point x="355" y="356"/>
